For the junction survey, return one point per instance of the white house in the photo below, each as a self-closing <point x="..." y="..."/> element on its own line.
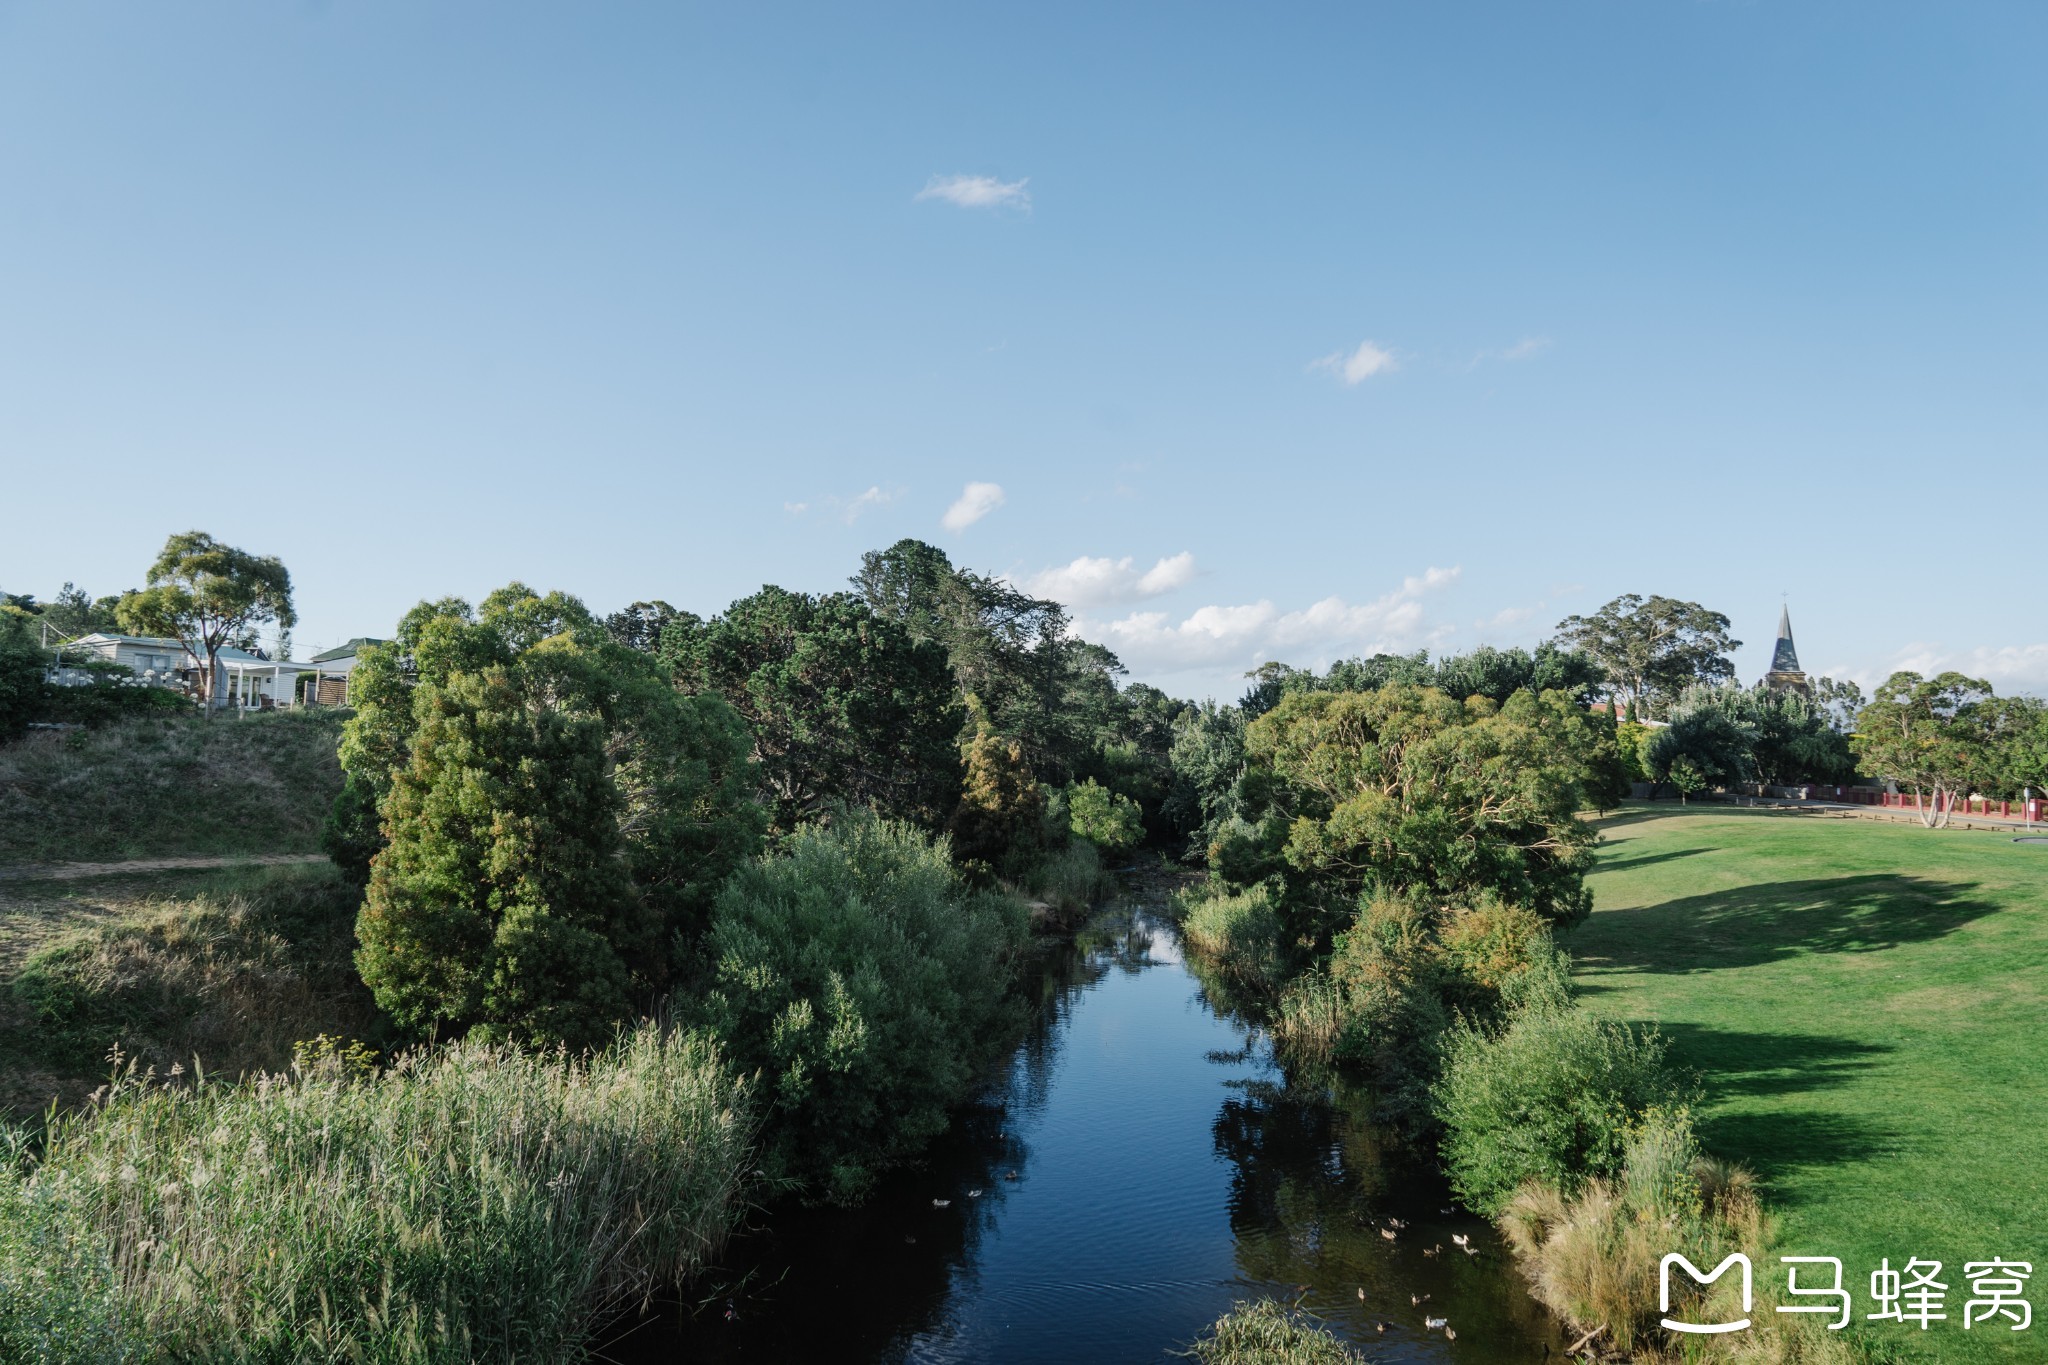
<point x="244" y="681"/>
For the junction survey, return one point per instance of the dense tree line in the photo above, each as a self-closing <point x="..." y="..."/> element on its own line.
<point x="807" y="825"/>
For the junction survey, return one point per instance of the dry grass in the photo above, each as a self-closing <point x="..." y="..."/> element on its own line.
<point x="1594" y="1258"/>
<point x="233" y="970"/>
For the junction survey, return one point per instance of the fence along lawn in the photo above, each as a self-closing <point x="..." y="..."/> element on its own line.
<point x="1864" y="1003"/>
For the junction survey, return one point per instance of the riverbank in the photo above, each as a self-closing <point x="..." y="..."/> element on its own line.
<point x="1142" y="1162"/>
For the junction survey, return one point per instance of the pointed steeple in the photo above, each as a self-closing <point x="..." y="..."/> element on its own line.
<point x="1785" y="659"/>
<point x="1785" y="674"/>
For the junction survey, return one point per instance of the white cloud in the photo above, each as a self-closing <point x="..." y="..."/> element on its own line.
<point x="1526" y="348"/>
<point x="848" y="510"/>
<point x="1174" y="571"/>
<point x="873" y="497"/>
<point x="1242" y="636"/>
<point x="1097" y="582"/>
<point x="1360" y="365"/>
<point x="1505" y="618"/>
<point x="978" y="191"/>
<point x="976" y="501"/>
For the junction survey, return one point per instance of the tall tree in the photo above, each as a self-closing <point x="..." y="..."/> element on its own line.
<point x="1929" y="736"/>
<point x="682" y="789"/>
<point x="1652" y="649"/>
<point x="502" y="900"/>
<point x="640" y="625"/>
<point x="1012" y="657"/>
<point x="2016" y="729"/>
<point x="1839" y="702"/>
<point x="1406" y="787"/>
<point x="207" y="595"/>
<point x="74" y="612"/>
<point x="842" y="703"/>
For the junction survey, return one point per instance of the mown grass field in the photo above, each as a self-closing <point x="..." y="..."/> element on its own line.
<point x="1866" y="1006"/>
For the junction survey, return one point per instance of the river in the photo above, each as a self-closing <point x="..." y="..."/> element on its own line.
<point x="1140" y="1164"/>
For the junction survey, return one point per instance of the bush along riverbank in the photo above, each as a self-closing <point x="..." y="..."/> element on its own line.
<point x="632" y="924"/>
<point x="1386" y="871"/>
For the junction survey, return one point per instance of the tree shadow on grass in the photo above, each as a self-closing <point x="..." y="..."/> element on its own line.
<point x="1646" y="859"/>
<point x="1741" y="1064"/>
<point x="1778" y="1146"/>
<point x="1748" y="926"/>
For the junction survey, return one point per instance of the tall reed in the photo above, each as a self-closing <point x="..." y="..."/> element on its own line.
<point x="470" y="1203"/>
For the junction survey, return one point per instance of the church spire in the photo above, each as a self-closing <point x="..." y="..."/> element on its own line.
<point x="1785" y="674"/>
<point x="1785" y="659"/>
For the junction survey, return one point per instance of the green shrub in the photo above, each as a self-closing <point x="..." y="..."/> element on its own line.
<point x="470" y="1203"/>
<point x="23" y="667"/>
<point x="1069" y="879"/>
<point x="866" y="983"/>
<point x="1551" y="1099"/>
<point x="1264" y="1333"/>
<point x="110" y="695"/>
<point x="1380" y="1004"/>
<point x="1109" y="821"/>
<point x="1398" y="979"/>
<point x="1240" y="933"/>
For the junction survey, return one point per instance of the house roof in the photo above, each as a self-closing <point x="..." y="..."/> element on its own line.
<point x="101" y="637"/>
<point x="345" y="651"/>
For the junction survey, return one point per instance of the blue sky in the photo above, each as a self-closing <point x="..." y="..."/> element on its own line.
<point x="1348" y="327"/>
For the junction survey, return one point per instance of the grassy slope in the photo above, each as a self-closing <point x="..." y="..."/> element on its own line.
<point x="168" y="786"/>
<point x="232" y="967"/>
<point x="1864" y="1003"/>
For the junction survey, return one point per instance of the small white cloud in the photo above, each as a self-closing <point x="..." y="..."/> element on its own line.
<point x="1174" y="571"/>
<point x="1238" y="637"/>
<point x="873" y="497"/>
<point x="1101" y="581"/>
<point x="1505" y="618"/>
<point x="1526" y="347"/>
<point x="978" y="191"/>
<point x="1360" y="365"/>
<point x="976" y="501"/>
<point x="796" y="509"/>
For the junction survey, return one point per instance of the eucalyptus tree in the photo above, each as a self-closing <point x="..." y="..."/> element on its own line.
<point x="1652" y="648"/>
<point x="207" y="596"/>
<point x="1929" y="735"/>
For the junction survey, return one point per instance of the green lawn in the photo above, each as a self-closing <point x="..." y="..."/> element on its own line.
<point x="1864" y="1004"/>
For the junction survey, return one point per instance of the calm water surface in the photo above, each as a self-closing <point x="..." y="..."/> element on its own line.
<point x="1141" y="1165"/>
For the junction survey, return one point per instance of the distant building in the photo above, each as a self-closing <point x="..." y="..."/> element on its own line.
<point x="1785" y="674"/>
<point x="334" y="666"/>
<point x="242" y="680"/>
